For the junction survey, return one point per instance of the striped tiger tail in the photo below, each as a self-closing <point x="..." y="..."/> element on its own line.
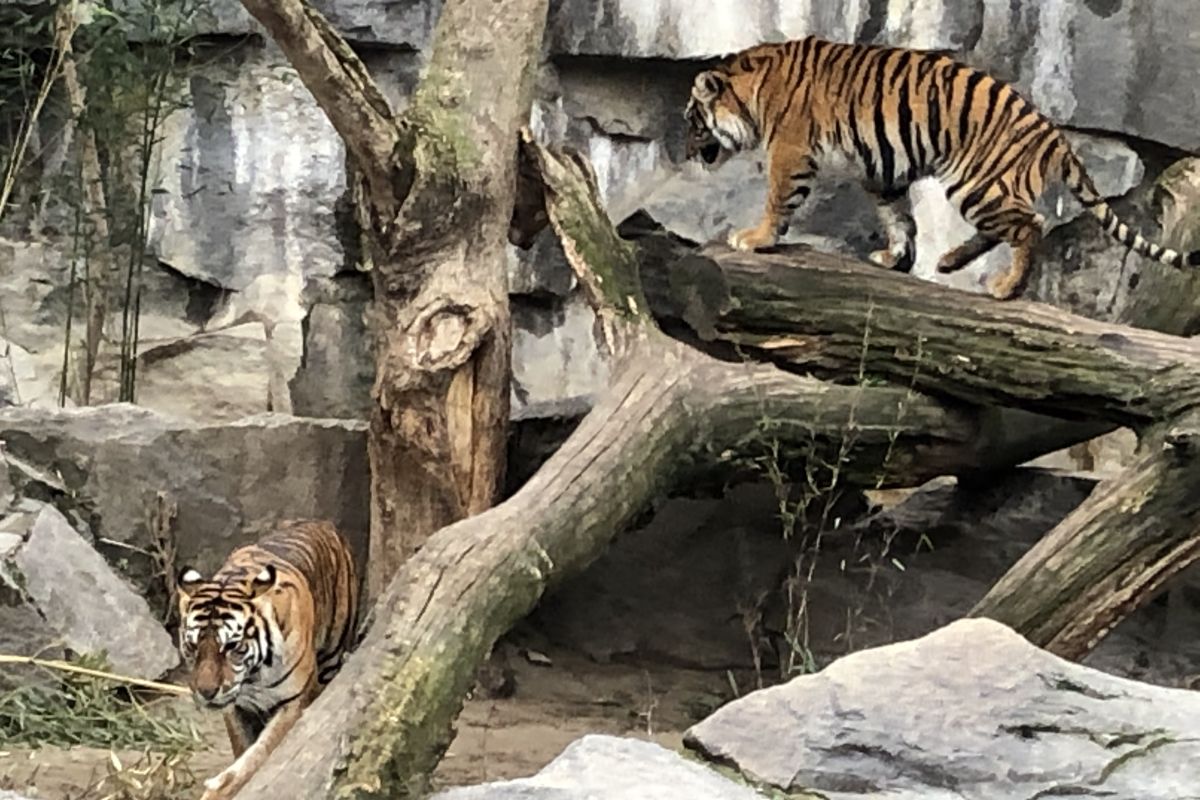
<point x="1080" y="183"/>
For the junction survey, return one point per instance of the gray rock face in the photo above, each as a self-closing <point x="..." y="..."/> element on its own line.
<point x="395" y="23"/>
<point x="60" y="597"/>
<point x="972" y="711"/>
<point x="228" y="481"/>
<point x="1090" y="63"/>
<point x="614" y="769"/>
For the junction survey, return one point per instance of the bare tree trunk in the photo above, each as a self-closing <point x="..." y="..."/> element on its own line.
<point x="439" y="184"/>
<point x="101" y="275"/>
<point x="821" y="312"/>
<point x="382" y="725"/>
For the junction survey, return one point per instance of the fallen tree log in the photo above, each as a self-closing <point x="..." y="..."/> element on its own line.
<point x="838" y="317"/>
<point x="819" y="311"/>
<point x="1107" y="558"/>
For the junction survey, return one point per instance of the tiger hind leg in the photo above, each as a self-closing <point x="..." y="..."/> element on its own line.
<point x="895" y="212"/>
<point x="1004" y="285"/>
<point x="965" y="253"/>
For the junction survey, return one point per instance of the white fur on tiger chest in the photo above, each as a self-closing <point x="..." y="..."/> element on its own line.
<point x="273" y="685"/>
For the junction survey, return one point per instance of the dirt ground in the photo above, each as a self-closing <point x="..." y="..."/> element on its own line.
<point x="497" y="738"/>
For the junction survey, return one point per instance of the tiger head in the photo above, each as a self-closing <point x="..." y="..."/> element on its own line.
<point x="719" y="121"/>
<point x="223" y="635"/>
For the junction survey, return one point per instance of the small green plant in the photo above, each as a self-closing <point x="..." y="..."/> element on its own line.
<point x="807" y="487"/>
<point x="69" y="709"/>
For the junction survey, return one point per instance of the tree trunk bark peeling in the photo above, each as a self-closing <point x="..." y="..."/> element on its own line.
<point x="439" y="430"/>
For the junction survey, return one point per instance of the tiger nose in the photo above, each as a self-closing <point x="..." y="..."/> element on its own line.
<point x="207" y="692"/>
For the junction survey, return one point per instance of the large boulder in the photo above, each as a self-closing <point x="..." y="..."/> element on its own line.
<point x="972" y="712"/>
<point x="58" y="597"/>
<point x="615" y="769"/>
<point x="226" y="482"/>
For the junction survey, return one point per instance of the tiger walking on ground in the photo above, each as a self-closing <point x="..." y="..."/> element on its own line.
<point x="896" y="115"/>
<point x="263" y="636"/>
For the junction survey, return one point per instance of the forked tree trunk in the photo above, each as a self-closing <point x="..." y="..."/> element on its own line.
<point x="436" y="186"/>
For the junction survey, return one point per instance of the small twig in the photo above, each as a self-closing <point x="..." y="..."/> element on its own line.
<point x="65" y="666"/>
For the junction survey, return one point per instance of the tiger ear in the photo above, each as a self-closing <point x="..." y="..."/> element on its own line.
<point x="264" y="581"/>
<point x="187" y="580"/>
<point x="708" y="85"/>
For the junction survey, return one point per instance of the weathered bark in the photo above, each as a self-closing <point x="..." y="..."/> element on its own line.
<point x="829" y="314"/>
<point x="1107" y="558"/>
<point x="808" y="309"/>
<point x="438" y="185"/>
<point x="384" y="722"/>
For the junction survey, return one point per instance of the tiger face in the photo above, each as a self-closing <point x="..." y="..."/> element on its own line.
<point x="719" y="123"/>
<point x="223" y="636"/>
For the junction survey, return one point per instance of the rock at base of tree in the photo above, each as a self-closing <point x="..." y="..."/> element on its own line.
<point x="971" y="711"/>
<point x="615" y="769"/>
<point x="59" y="597"/>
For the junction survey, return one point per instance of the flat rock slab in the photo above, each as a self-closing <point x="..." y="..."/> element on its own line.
<point x="612" y="768"/>
<point x="971" y="712"/>
<point x="58" y="595"/>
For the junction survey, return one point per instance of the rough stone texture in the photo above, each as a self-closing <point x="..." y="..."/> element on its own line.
<point x="249" y="199"/>
<point x="400" y="24"/>
<point x="201" y="354"/>
<point x="61" y="597"/>
<point x="973" y="712"/>
<point x="615" y="769"/>
<point x="662" y="590"/>
<point x="229" y="481"/>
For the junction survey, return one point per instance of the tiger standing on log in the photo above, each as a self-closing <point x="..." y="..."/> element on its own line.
<point x="895" y="115"/>
<point x="263" y="636"/>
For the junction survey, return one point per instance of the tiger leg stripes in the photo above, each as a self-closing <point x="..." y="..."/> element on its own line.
<point x="895" y="212"/>
<point x="962" y="255"/>
<point x="1023" y="239"/>
<point x="230" y="781"/>
<point x="790" y="175"/>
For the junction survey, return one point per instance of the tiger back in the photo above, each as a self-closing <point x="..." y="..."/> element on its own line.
<point x="896" y="115"/>
<point x="265" y="633"/>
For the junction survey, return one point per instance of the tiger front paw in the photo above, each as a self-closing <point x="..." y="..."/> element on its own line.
<point x="884" y="258"/>
<point x="752" y="239"/>
<point x="222" y="786"/>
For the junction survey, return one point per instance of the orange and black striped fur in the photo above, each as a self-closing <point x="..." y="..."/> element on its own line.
<point x="262" y="636"/>
<point x="895" y="115"/>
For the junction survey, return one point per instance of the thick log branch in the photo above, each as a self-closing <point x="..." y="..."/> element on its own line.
<point x="1107" y="557"/>
<point x="818" y="311"/>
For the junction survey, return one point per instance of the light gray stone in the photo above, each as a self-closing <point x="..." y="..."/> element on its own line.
<point x="1101" y="64"/>
<point x="228" y="480"/>
<point x="969" y="711"/>
<point x="395" y="23"/>
<point x="555" y="357"/>
<point x="68" y="600"/>
<point x="612" y="768"/>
